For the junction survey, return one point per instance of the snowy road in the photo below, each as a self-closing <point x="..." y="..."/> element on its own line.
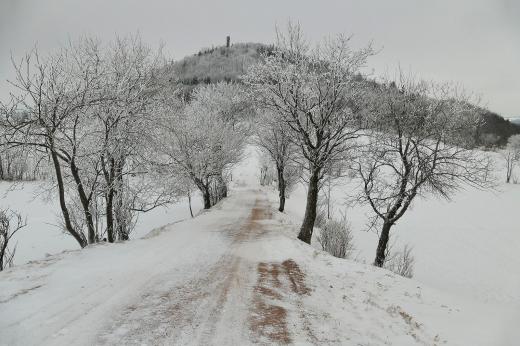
<point x="196" y="284"/>
<point x="234" y="275"/>
<point x="226" y="302"/>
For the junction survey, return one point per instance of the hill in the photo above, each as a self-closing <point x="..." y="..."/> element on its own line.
<point x="221" y="63"/>
<point x="495" y="129"/>
<point x="216" y="64"/>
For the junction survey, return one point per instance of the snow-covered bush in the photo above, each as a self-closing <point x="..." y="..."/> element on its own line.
<point x="336" y="238"/>
<point x="401" y="262"/>
<point x="10" y="223"/>
<point x="511" y="155"/>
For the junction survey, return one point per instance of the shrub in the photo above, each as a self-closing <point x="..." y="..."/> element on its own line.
<point x="401" y="262"/>
<point x="336" y="238"/>
<point x="10" y="223"/>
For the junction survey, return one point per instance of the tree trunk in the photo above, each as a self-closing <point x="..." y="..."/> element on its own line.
<point x="123" y="218"/>
<point x="206" y="197"/>
<point x="222" y="188"/>
<point x="3" y="250"/>
<point x="189" y="203"/>
<point x="310" y="209"/>
<point x="63" y="206"/>
<point x="381" y="246"/>
<point x="281" y="188"/>
<point x="109" y="172"/>
<point x="85" y="203"/>
<point x="329" y="188"/>
<point x="110" y="214"/>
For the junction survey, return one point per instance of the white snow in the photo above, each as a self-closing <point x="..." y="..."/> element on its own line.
<point x="199" y="281"/>
<point x="467" y="246"/>
<point x="42" y="236"/>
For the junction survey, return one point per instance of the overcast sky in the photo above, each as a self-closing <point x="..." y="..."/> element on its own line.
<point x="474" y="42"/>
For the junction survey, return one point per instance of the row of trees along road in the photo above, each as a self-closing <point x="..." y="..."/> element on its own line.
<point x="118" y="139"/>
<point x="402" y="139"/>
<point x="115" y="137"/>
<point x="314" y="93"/>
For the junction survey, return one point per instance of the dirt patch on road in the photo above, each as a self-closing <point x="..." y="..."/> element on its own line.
<point x="268" y="318"/>
<point x="253" y="228"/>
<point x="296" y="277"/>
<point x="201" y="310"/>
<point x="275" y="282"/>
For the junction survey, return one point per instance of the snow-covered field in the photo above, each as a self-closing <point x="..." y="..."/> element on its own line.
<point x="42" y="236"/>
<point x="467" y="246"/>
<point x="237" y="275"/>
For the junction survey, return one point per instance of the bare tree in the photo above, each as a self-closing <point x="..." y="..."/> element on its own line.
<point x="18" y="163"/>
<point x="88" y="109"/>
<point x="48" y="115"/>
<point x="273" y="137"/>
<point x="10" y="223"/>
<point x="511" y="155"/>
<point x="418" y="145"/>
<point x="126" y="125"/>
<point x="314" y="92"/>
<point x="202" y="145"/>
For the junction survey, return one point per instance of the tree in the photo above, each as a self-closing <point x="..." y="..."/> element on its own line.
<point x="417" y="145"/>
<point x="201" y="144"/>
<point x="274" y="138"/>
<point x="126" y="125"/>
<point x="10" y="223"/>
<point x="48" y="115"/>
<point x="315" y="93"/>
<point x="88" y="110"/>
<point x="511" y="155"/>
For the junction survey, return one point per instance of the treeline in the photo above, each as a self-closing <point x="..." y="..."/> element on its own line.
<point x="398" y="139"/>
<point x="115" y="137"/>
<point x="219" y="64"/>
<point x="494" y="130"/>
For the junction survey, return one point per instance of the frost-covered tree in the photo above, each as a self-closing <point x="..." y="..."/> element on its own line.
<point x="48" y="114"/>
<point x="273" y="137"/>
<point x="511" y="155"/>
<point x="126" y="122"/>
<point x="417" y="146"/>
<point x="315" y="93"/>
<point x="202" y="141"/>
<point x="87" y="110"/>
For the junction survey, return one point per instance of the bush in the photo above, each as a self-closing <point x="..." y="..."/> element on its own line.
<point x="10" y="223"/>
<point x="336" y="238"/>
<point x="401" y="262"/>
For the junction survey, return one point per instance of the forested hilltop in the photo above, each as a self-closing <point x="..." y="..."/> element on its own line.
<point x="222" y="63"/>
<point x="219" y="64"/>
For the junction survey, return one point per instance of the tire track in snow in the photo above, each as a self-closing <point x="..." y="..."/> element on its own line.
<point x="235" y="301"/>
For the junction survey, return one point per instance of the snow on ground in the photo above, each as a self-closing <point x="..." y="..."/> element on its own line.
<point x="42" y="236"/>
<point x="468" y="246"/>
<point x="237" y="275"/>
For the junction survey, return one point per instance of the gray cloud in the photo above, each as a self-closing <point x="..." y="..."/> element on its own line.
<point x="474" y="42"/>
